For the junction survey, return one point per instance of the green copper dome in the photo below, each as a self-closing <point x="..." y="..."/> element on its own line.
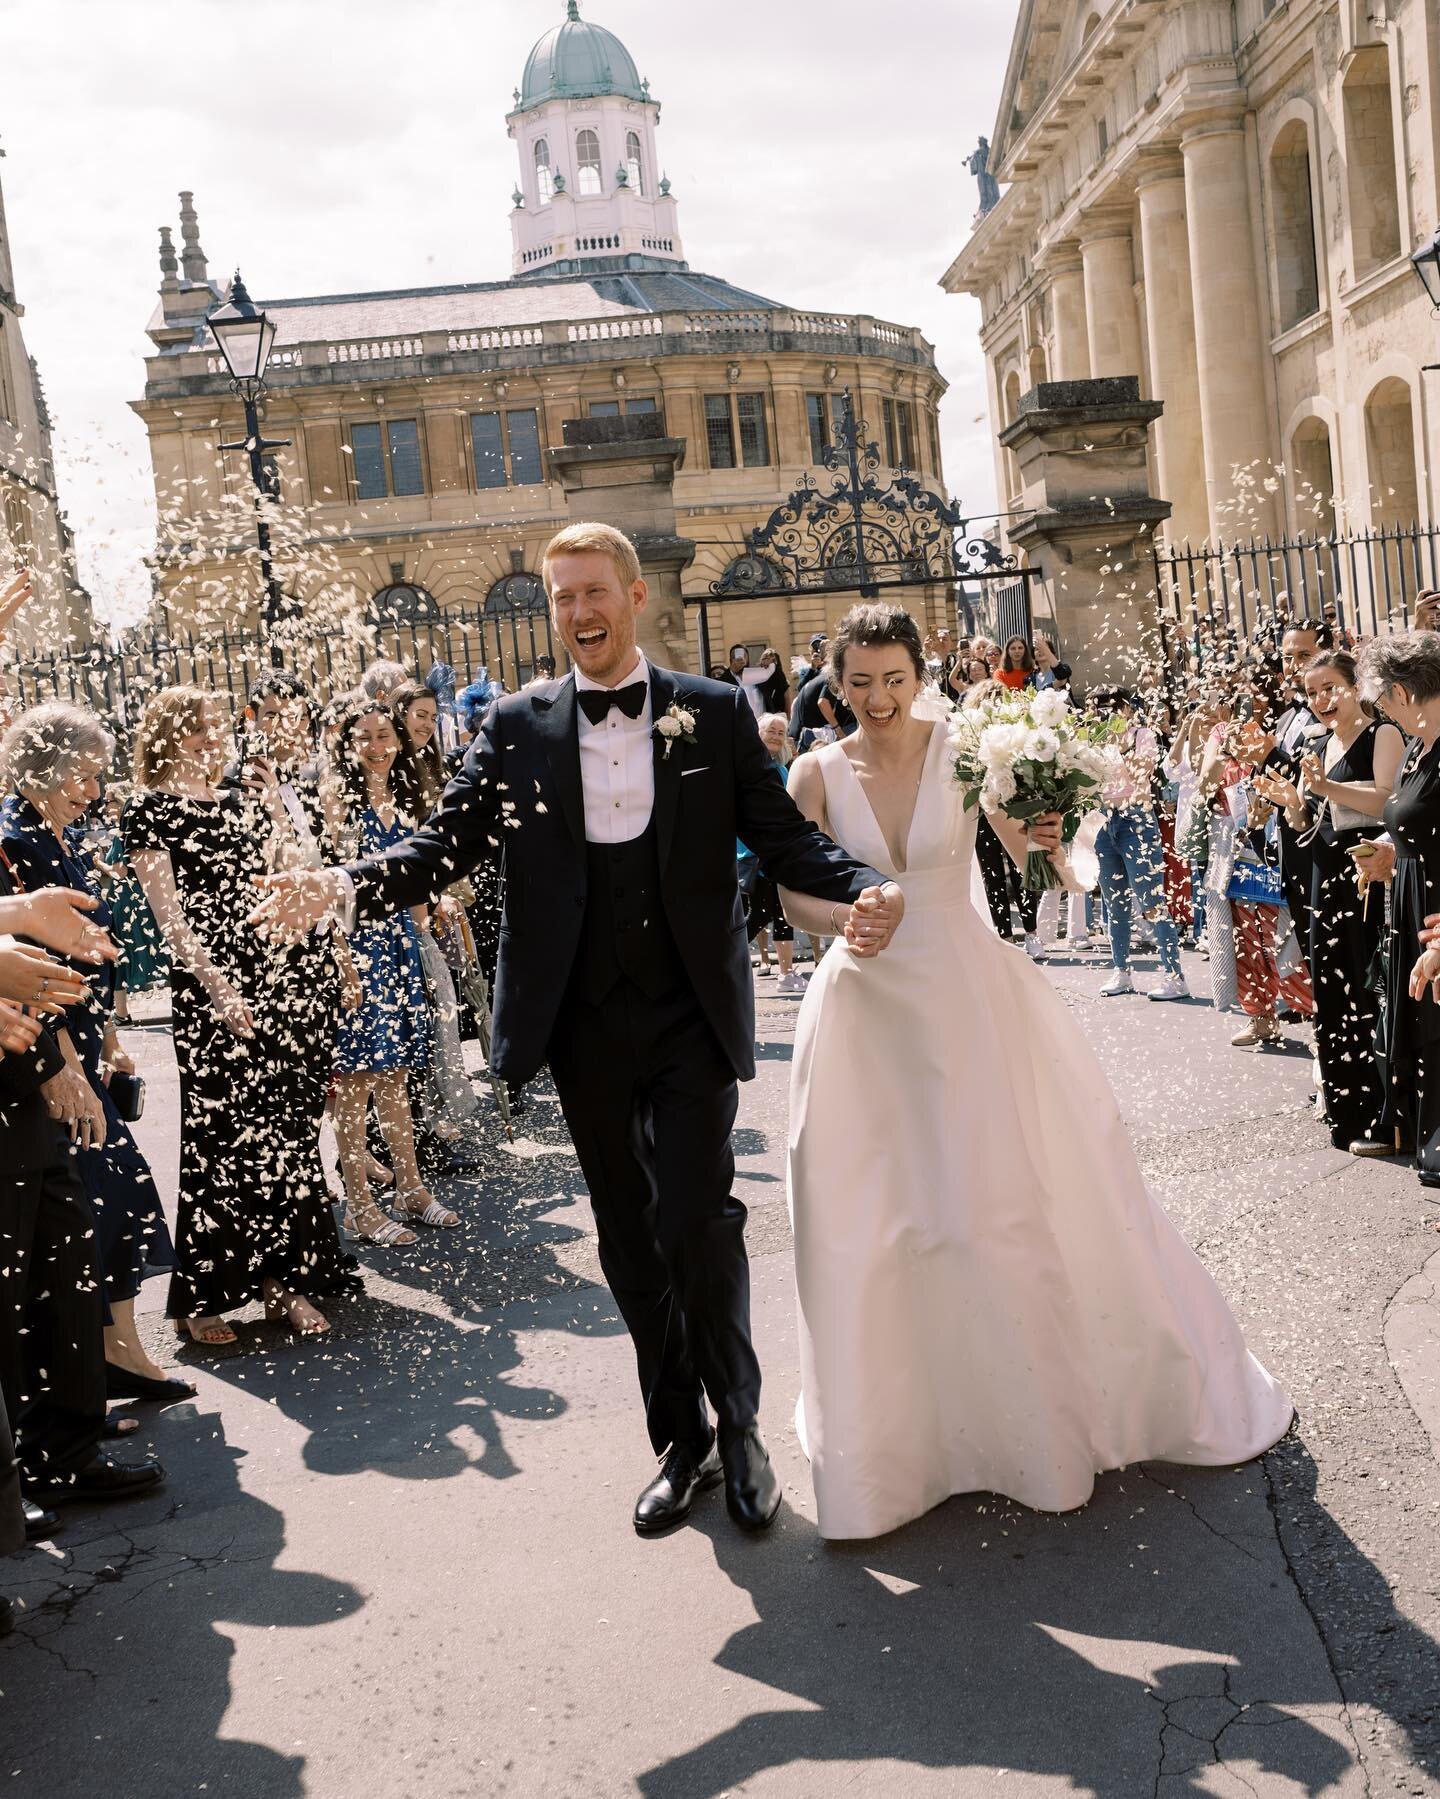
<point x="576" y="61"/>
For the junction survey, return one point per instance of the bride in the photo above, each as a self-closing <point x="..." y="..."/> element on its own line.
<point x="1018" y="1315"/>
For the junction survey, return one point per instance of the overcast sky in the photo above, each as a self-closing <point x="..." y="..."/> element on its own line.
<point x="340" y="145"/>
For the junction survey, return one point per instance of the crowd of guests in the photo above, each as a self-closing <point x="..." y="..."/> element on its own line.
<point x="106" y="889"/>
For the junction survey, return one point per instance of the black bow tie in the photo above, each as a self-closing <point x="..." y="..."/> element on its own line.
<point x="596" y="702"/>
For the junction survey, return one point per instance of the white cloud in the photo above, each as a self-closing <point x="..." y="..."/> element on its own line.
<point x="341" y="145"/>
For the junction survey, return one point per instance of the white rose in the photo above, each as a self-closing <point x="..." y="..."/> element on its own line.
<point x="1041" y="745"/>
<point x="1002" y="745"/>
<point x="687" y="724"/>
<point x="999" y="789"/>
<point x="669" y="727"/>
<point x="1049" y="709"/>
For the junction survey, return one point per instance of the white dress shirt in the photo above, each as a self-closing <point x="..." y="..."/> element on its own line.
<point x="617" y="763"/>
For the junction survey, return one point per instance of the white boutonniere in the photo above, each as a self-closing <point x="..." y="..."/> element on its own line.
<point x="675" y="724"/>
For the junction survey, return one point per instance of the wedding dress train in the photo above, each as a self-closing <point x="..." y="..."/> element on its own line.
<point x="990" y="1299"/>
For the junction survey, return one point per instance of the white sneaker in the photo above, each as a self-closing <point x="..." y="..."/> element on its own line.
<point x="1034" y="948"/>
<point x="1122" y="981"/>
<point x="1171" y="987"/>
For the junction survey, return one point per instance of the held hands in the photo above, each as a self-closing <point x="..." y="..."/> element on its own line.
<point x="873" y="919"/>
<point x="294" y="902"/>
<point x="38" y="980"/>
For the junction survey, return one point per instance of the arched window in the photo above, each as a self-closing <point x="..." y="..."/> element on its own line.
<point x="1374" y="191"/>
<point x="1297" y="273"/>
<point x="1313" y="468"/>
<point x="518" y="593"/>
<point x="587" y="161"/>
<point x="1037" y="367"/>
<point x="634" y="168"/>
<point x="1390" y="445"/>
<point x="402" y="603"/>
<point x="1012" y="412"/>
<point x="544" y="180"/>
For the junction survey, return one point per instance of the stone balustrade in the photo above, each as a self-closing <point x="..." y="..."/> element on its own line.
<point x="515" y="346"/>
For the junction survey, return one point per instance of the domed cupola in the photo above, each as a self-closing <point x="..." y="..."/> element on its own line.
<point x="591" y="196"/>
<point x="578" y="60"/>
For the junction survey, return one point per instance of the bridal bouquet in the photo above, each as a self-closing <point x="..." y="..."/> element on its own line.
<point x="1029" y="754"/>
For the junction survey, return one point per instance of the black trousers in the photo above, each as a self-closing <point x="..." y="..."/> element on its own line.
<point x="1003" y="882"/>
<point x="52" y="1356"/>
<point x="650" y="1100"/>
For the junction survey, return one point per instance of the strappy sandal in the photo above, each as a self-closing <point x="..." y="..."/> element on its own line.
<point x="217" y="1333"/>
<point x="281" y="1309"/>
<point x="388" y="1234"/>
<point x="438" y="1217"/>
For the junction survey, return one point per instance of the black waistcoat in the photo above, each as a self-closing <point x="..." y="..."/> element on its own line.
<point x="624" y="931"/>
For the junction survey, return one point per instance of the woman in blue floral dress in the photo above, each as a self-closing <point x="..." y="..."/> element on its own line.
<point x="389" y="1032"/>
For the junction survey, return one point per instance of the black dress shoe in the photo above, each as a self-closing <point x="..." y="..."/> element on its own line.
<point x="752" y="1492"/>
<point x="100" y="1480"/>
<point x="120" y="1383"/>
<point x="39" y="1523"/>
<point x="669" y="1497"/>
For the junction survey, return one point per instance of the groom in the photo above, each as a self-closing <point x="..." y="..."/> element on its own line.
<point x="616" y="796"/>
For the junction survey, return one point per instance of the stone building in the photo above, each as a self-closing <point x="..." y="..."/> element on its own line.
<point x="32" y="527"/>
<point x="428" y="424"/>
<point x="1221" y="197"/>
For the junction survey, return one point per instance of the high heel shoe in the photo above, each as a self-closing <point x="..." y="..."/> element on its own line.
<point x="432" y="1212"/>
<point x="387" y="1234"/>
<point x="120" y="1383"/>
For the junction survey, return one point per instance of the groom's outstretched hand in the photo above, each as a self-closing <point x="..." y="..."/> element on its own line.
<point x="873" y="919"/>
<point x="295" y="902"/>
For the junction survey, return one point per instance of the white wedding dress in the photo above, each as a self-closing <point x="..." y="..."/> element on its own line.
<point x="990" y="1299"/>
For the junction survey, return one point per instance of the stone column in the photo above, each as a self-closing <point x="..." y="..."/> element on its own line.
<point x="1107" y="252"/>
<point x="1170" y="329"/>
<point x="1070" y="339"/>
<point x="1089" y="521"/>
<point x="1229" y="327"/>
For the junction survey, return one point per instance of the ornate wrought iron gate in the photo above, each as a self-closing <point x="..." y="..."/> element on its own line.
<point x="862" y="535"/>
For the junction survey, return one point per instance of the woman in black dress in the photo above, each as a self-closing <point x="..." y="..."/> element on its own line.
<point x="54" y="760"/>
<point x="1401" y="675"/>
<point x="1348" y="778"/>
<point x="254" y="1028"/>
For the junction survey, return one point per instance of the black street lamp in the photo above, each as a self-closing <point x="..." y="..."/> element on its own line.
<point x="244" y="336"/>
<point x="1426" y="264"/>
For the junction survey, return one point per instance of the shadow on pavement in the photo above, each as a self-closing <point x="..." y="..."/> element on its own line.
<point x="120" y="1649"/>
<point x="1107" y="1648"/>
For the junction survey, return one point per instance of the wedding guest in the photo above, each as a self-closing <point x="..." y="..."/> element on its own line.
<point x="1017" y="665"/>
<point x="447" y="1100"/>
<point x="381" y="679"/>
<point x="387" y="1034"/>
<point x="1047" y="661"/>
<point x="142" y="965"/>
<point x="775" y="688"/>
<point x="1347" y="779"/>
<point x="1401" y="675"/>
<point x="54" y="759"/>
<point x="1132" y="855"/>
<point x="52" y="1358"/>
<point x="1295" y="727"/>
<point x="767" y="919"/>
<point x="252" y="1036"/>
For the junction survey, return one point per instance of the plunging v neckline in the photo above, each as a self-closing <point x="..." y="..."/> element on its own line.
<point x="900" y="868"/>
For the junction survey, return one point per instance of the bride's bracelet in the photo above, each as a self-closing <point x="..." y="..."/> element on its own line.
<point x="835" y="929"/>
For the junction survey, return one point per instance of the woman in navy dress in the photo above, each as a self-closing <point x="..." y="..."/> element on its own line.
<point x="388" y="1034"/>
<point x="54" y="759"/>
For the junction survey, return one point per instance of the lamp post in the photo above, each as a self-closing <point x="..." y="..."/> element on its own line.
<point x="1426" y="264"/>
<point x="244" y="336"/>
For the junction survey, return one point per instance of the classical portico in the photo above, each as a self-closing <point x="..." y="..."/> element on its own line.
<point x="1220" y="200"/>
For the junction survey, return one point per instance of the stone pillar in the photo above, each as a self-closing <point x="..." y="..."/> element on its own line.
<point x="1089" y="521"/>
<point x="1229" y="329"/>
<point x="1170" y="329"/>
<point x="621" y="472"/>
<point x="1070" y="334"/>
<point x="1107" y="252"/>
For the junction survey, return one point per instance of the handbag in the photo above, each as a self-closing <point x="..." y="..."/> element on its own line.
<point x="1255" y="884"/>
<point x="127" y="1095"/>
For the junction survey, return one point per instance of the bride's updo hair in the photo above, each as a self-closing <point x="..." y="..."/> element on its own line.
<point x="870" y="626"/>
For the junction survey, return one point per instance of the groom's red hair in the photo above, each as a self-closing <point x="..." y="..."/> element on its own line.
<point x="593" y="539"/>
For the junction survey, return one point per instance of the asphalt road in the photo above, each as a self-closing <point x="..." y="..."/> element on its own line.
<point x="399" y="1562"/>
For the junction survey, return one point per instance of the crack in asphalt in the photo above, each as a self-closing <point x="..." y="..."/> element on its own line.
<point x="1196" y="1514"/>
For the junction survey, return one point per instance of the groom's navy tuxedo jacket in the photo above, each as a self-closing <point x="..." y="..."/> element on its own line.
<point x="519" y="794"/>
